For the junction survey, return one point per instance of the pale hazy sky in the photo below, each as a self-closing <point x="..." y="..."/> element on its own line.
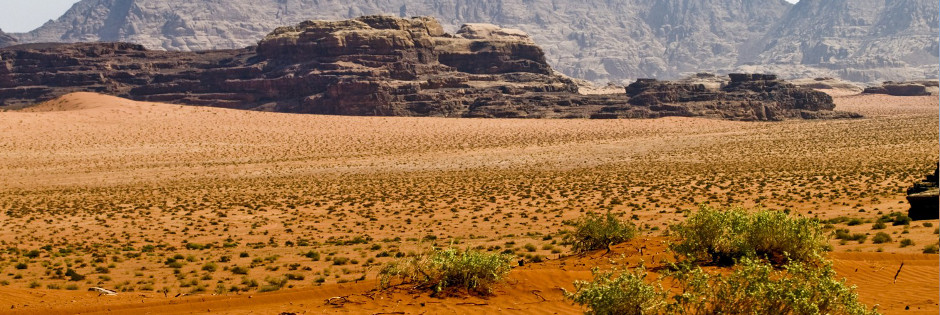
<point x="25" y="15"/>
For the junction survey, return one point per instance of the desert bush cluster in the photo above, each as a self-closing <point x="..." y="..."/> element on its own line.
<point x="442" y="269"/>
<point x="759" y="283"/>
<point x="725" y="236"/>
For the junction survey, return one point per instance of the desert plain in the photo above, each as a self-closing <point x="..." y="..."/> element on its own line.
<point x="190" y="209"/>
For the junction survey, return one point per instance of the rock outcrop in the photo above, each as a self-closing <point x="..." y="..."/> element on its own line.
<point x="745" y="97"/>
<point x="909" y="88"/>
<point x="596" y="40"/>
<point x="6" y="40"/>
<point x="924" y="197"/>
<point x="372" y="65"/>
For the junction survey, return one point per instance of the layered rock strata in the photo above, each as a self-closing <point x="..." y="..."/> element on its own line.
<point x="373" y="65"/>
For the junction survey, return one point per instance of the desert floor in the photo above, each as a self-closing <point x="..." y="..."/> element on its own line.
<point x="190" y="209"/>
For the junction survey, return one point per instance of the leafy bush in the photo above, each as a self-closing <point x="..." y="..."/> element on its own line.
<point x="594" y="231"/>
<point x="906" y="242"/>
<point x="625" y="293"/>
<point x="722" y="237"/>
<point x="896" y="218"/>
<point x="843" y="234"/>
<point x="931" y="249"/>
<point x="210" y="267"/>
<point x="754" y="287"/>
<point x="449" y="268"/>
<point x="881" y="237"/>
<point x="74" y="275"/>
<point x="238" y="270"/>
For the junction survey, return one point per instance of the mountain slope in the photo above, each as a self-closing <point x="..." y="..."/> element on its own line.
<point x="858" y="40"/>
<point x="6" y="40"/>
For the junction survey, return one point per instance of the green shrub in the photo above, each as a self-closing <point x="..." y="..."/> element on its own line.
<point x="722" y="237"/>
<point x="880" y="238"/>
<point x="210" y="267"/>
<point x="238" y="270"/>
<point x="906" y="242"/>
<point x="754" y="287"/>
<point x="626" y="293"/>
<point x="73" y="275"/>
<point x="438" y="270"/>
<point x="931" y="249"/>
<point x="896" y="218"/>
<point x="594" y="231"/>
<point x="315" y="256"/>
<point x="843" y="234"/>
<point x="878" y="226"/>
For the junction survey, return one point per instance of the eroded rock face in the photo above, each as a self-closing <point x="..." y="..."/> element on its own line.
<point x="373" y="65"/>
<point x="923" y="197"/>
<point x="6" y="40"/>
<point x="744" y="97"/>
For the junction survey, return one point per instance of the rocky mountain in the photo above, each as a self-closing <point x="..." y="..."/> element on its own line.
<point x="596" y="40"/>
<point x="382" y="65"/>
<point x="6" y="40"/>
<point x="857" y="40"/>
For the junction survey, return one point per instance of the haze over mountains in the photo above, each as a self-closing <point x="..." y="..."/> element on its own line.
<point x="597" y="40"/>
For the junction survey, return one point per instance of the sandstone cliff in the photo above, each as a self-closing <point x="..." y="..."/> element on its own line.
<point x="596" y="40"/>
<point x="373" y="65"/>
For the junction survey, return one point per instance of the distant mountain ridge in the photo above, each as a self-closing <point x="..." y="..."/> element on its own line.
<point x="596" y="40"/>
<point x="6" y="40"/>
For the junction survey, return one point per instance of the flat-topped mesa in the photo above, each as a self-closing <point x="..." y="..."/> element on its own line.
<point x="744" y="97"/>
<point x="386" y="66"/>
<point x="414" y="47"/>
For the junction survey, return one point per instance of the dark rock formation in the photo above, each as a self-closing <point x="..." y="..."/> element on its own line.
<point x="596" y="40"/>
<point x="910" y="88"/>
<point x="373" y="65"/>
<point x="924" y="198"/>
<point x="6" y="40"/>
<point x="744" y="97"/>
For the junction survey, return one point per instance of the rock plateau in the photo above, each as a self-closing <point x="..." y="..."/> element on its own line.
<point x="380" y="65"/>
